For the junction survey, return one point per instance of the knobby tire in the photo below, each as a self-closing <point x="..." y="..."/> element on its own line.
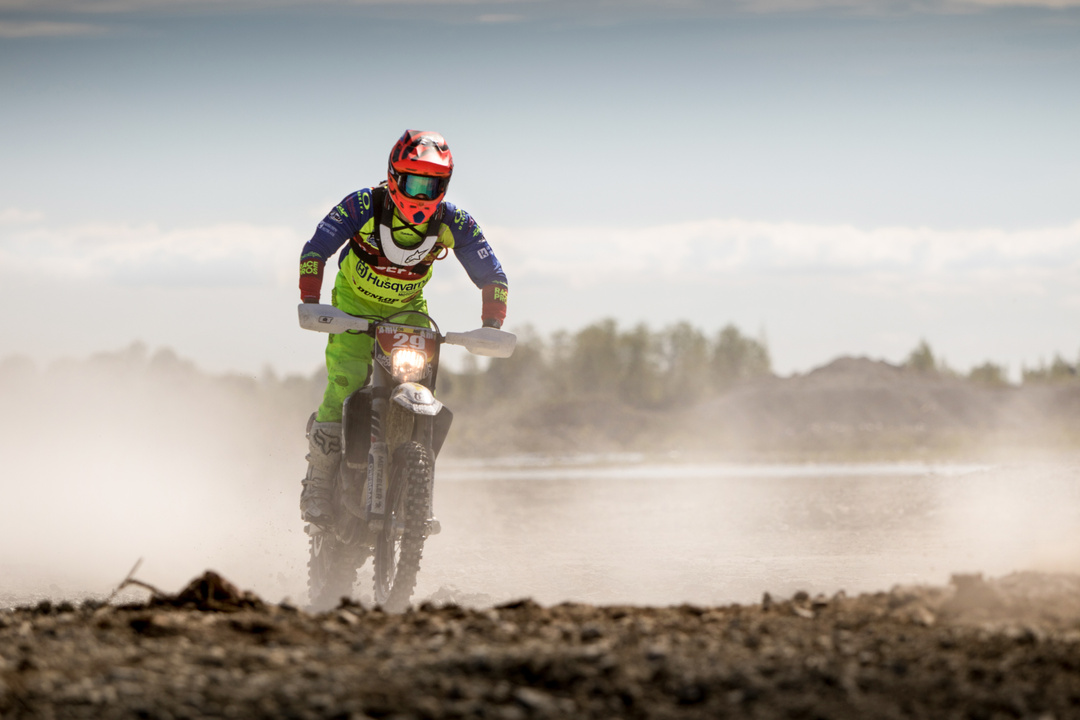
<point x="332" y="567"/>
<point x="397" y="559"/>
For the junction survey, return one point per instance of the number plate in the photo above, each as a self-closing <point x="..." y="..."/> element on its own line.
<point x="390" y="337"/>
<point x="395" y="336"/>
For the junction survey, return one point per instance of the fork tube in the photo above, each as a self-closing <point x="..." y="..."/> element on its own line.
<point x="377" y="455"/>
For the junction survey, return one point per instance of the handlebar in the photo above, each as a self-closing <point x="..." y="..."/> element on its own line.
<point x="488" y="341"/>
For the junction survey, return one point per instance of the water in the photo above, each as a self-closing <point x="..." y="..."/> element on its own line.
<point x="599" y="530"/>
<point x="718" y="533"/>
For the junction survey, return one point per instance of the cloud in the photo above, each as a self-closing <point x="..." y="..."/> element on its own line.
<point x="820" y="290"/>
<point x="894" y="6"/>
<point x="1058" y="4"/>
<point x="549" y="8"/>
<point x="106" y="6"/>
<point x="27" y="29"/>
<point x="128" y="6"/>
<point x="499" y="18"/>
<point x="227" y="254"/>
<point x="16" y="216"/>
<point x="577" y="256"/>
<point x="732" y="247"/>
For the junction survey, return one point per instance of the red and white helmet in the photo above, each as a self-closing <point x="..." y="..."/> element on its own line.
<point x="420" y="169"/>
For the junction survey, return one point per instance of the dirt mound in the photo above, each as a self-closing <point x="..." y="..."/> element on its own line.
<point x="856" y="407"/>
<point x="857" y="392"/>
<point x="209" y="592"/>
<point x="1007" y="648"/>
<point x="853" y="372"/>
<point x="853" y="408"/>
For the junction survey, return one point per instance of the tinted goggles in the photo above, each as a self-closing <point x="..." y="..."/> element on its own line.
<point x="421" y="187"/>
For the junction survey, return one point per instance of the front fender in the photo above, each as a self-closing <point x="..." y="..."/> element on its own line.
<point x="416" y="398"/>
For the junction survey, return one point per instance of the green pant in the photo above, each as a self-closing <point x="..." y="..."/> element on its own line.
<point x="348" y="355"/>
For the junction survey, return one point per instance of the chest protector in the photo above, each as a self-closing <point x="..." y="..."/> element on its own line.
<point x="394" y="274"/>
<point x="396" y="253"/>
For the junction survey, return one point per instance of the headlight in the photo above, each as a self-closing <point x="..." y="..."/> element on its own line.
<point x="407" y="365"/>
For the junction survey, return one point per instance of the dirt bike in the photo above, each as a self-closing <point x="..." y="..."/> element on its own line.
<point x="392" y="431"/>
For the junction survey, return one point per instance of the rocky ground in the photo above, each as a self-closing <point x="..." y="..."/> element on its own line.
<point x="1002" y="648"/>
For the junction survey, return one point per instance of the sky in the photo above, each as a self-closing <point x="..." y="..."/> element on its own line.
<point x="837" y="177"/>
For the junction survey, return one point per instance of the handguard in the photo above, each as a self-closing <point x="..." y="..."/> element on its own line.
<point x="488" y="341"/>
<point x="328" y="319"/>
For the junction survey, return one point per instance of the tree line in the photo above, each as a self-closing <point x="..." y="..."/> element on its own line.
<point x="656" y="369"/>
<point x="642" y="367"/>
<point x="638" y="366"/>
<point x="1058" y="370"/>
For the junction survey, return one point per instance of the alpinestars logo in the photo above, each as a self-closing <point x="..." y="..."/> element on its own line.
<point x="416" y="257"/>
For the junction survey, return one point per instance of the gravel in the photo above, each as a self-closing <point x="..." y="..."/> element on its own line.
<point x="1001" y="648"/>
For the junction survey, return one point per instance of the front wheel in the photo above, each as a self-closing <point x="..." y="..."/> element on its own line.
<point x="400" y="544"/>
<point x="332" y="567"/>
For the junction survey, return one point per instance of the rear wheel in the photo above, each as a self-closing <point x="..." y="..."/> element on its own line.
<point x="399" y="546"/>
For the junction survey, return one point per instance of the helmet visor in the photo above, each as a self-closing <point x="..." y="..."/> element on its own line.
<point x="421" y="187"/>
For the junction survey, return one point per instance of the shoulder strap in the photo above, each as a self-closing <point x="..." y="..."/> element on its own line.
<point x="379" y="197"/>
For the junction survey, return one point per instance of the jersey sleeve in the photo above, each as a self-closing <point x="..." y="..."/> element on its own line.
<point x="472" y="250"/>
<point x="475" y="254"/>
<point x="333" y="231"/>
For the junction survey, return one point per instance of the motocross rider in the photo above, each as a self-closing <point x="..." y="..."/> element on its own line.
<point x="392" y="235"/>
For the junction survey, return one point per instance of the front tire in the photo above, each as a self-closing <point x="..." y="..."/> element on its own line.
<point x="332" y="567"/>
<point x="400" y="545"/>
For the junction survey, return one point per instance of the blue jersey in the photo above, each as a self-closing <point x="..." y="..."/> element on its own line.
<point x="352" y="224"/>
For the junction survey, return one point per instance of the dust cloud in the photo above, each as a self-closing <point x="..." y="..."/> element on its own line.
<point x="140" y="455"/>
<point x="130" y="455"/>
